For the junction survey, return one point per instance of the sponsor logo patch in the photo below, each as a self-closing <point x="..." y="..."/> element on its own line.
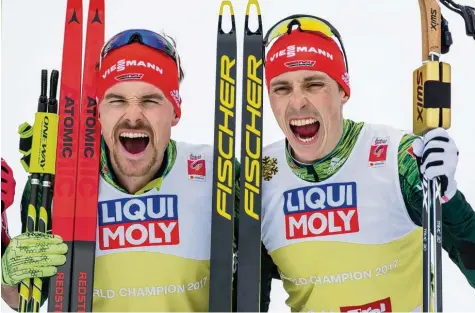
<point x="300" y="63"/>
<point x="378" y="151"/>
<point x="196" y="167"/>
<point x="131" y="76"/>
<point x="383" y="305"/>
<point x="322" y="210"/>
<point x="138" y="222"/>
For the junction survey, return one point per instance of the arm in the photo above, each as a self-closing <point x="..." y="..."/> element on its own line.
<point x="458" y="217"/>
<point x="268" y="268"/>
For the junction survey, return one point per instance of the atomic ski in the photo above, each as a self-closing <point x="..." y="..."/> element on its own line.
<point x="223" y="194"/>
<point x="64" y="195"/>
<point x="87" y="186"/>
<point x="249" y="240"/>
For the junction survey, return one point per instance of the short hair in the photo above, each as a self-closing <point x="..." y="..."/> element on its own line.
<point x="173" y="41"/>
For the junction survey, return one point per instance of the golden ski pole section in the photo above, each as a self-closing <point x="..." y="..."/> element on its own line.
<point x="431" y="81"/>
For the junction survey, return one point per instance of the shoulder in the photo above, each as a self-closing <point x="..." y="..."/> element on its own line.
<point x="274" y="148"/>
<point x="185" y="150"/>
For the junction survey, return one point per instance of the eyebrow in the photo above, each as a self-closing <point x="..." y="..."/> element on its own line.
<point x="313" y="77"/>
<point x="113" y="96"/>
<point x="306" y="79"/>
<point x="149" y="96"/>
<point x="280" y="82"/>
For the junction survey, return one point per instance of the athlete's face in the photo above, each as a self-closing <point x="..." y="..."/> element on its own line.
<point x="136" y="120"/>
<point x="308" y="106"/>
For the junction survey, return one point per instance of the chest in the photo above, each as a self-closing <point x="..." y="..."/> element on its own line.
<point x="173" y="220"/>
<point x="360" y="204"/>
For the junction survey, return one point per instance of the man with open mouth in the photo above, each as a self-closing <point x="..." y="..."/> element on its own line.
<point x="154" y="211"/>
<point x="342" y="200"/>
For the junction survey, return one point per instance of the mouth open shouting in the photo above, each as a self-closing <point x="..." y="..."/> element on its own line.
<point x="305" y="129"/>
<point x="134" y="143"/>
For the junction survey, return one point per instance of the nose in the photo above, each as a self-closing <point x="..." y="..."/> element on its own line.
<point x="298" y="100"/>
<point x="133" y="112"/>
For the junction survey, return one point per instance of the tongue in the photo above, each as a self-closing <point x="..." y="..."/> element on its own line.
<point x="134" y="145"/>
<point x="306" y="131"/>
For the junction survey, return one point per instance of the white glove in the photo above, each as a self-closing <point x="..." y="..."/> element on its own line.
<point x="438" y="157"/>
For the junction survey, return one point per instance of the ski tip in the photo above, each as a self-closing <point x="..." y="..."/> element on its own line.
<point x="256" y="4"/>
<point x="225" y="3"/>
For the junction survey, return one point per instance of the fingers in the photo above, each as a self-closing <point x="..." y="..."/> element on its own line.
<point x="418" y="147"/>
<point x="437" y="132"/>
<point x="39" y="272"/>
<point x="42" y="249"/>
<point x="36" y="237"/>
<point x="36" y="261"/>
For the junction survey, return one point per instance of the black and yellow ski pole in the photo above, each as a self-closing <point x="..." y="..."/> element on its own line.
<point x="42" y="169"/>
<point x="432" y="109"/>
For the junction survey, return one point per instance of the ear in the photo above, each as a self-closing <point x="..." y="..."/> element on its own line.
<point x="175" y="119"/>
<point x="343" y="97"/>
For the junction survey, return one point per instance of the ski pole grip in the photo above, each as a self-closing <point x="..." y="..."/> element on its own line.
<point x="45" y="138"/>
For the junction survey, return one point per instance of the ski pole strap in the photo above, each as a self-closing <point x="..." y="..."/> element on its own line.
<point x="26" y="141"/>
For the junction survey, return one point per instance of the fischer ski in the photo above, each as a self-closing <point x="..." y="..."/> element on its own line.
<point x="249" y="240"/>
<point x="64" y="196"/>
<point x="224" y="170"/>
<point x="87" y="185"/>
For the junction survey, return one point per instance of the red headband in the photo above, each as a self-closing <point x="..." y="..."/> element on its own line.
<point x="136" y="62"/>
<point x="307" y="51"/>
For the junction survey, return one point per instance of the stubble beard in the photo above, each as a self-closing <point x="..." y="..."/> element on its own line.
<point x="131" y="168"/>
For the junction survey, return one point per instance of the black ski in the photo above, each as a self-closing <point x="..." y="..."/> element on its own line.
<point x="223" y="194"/>
<point x="249" y="241"/>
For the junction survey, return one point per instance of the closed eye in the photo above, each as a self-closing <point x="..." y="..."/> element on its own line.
<point x="282" y="89"/>
<point x="151" y="101"/>
<point x="315" y="84"/>
<point x="117" y="101"/>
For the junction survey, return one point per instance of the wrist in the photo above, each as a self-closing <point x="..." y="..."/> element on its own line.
<point x="450" y="192"/>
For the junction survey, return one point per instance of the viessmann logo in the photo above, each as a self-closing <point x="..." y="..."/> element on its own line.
<point x="138" y="222"/>
<point x="121" y="65"/>
<point x="322" y="210"/>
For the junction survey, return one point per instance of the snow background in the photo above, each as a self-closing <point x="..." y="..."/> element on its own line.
<point x="383" y="49"/>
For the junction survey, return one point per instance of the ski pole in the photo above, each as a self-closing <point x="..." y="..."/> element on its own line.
<point x="42" y="169"/>
<point x="432" y="109"/>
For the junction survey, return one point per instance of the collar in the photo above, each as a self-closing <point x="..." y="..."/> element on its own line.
<point x="324" y="168"/>
<point x="108" y="173"/>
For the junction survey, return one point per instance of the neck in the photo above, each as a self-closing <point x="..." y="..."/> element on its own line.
<point x="134" y="183"/>
<point x="329" y="146"/>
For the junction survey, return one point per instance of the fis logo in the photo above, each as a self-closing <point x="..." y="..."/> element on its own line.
<point x="138" y="222"/>
<point x="176" y="97"/>
<point x="378" y="151"/>
<point x="383" y="305"/>
<point x="196" y="167"/>
<point x="321" y="210"/>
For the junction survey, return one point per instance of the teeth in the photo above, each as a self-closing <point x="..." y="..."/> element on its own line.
<point x="303" y="122"/>
<point x="133" y="135"/>
<point x="306" y="139"/>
